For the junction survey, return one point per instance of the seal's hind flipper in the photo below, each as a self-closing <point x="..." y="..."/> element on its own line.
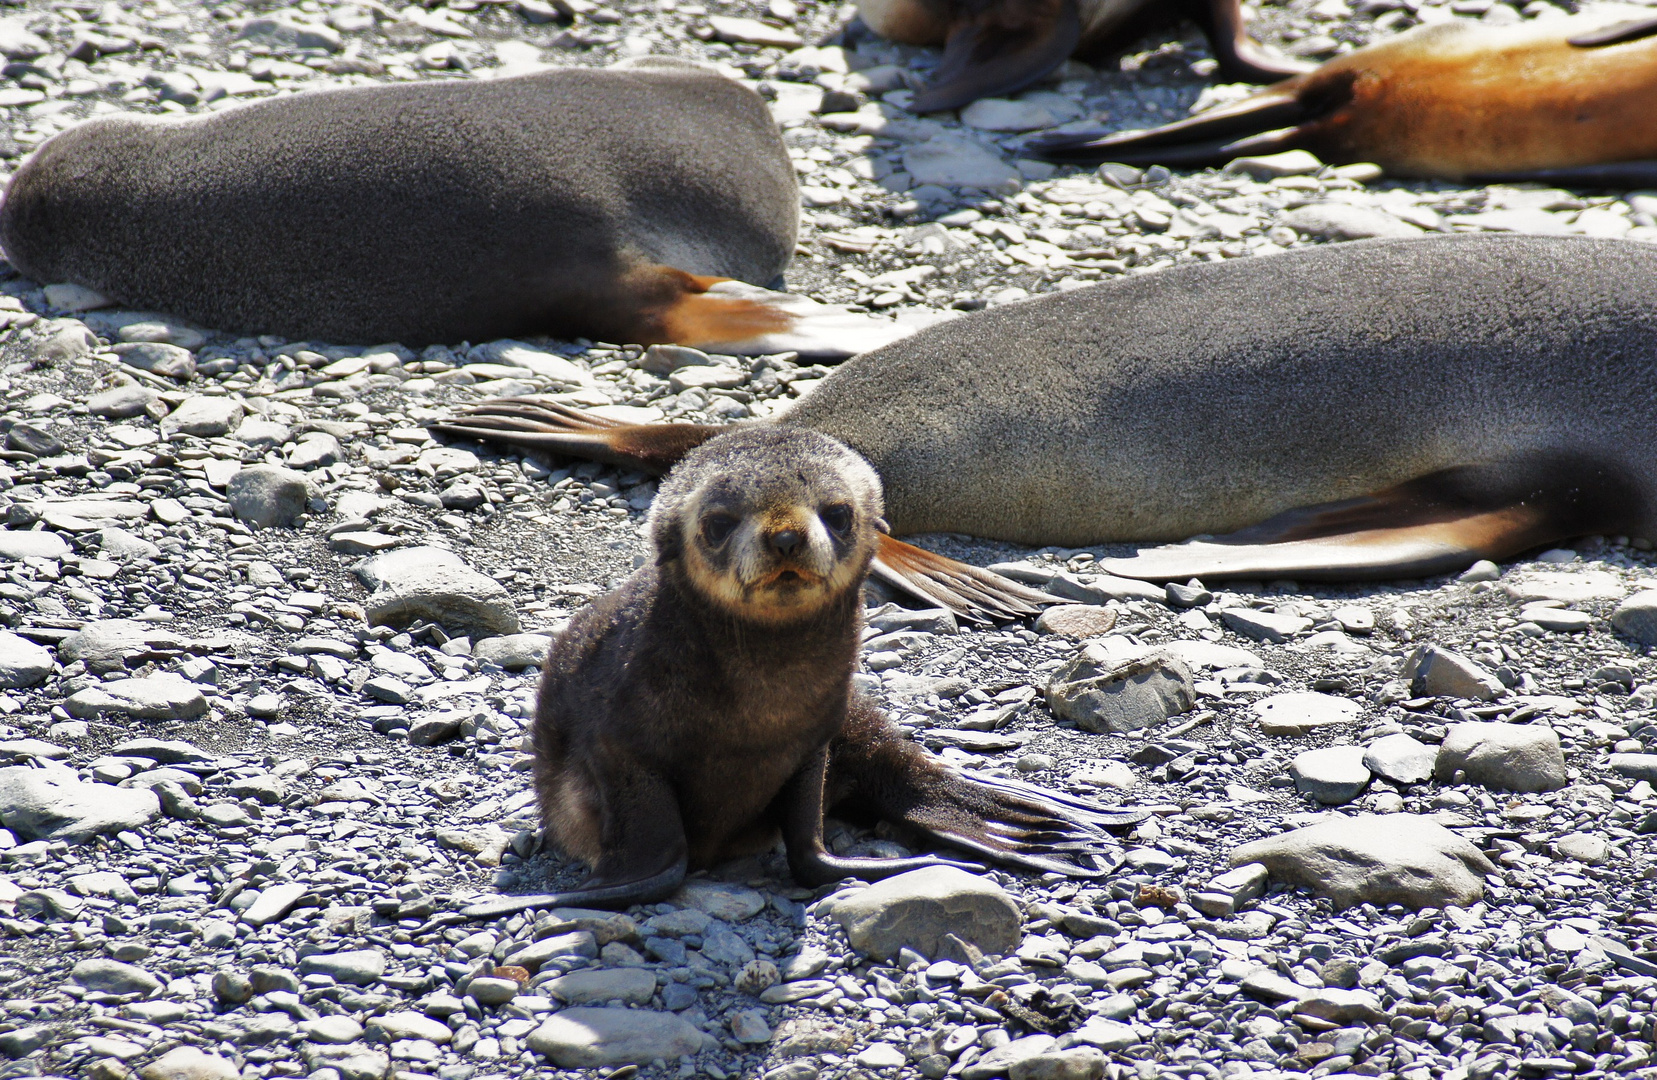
<point x="645" y="890"/>
<point x="1615" y="34"/>
<point x="1432" y="525"/>
<point x="979" y="595"/>
<point x="1000" y="48"/>
<point x="1269" y="122"/>
<point x="1240" y="57"/>
<point x="530" y="423"/>
<point x="739" y="319"/>
<point x="1615" y="174"/>
<point x="875" y="768"/>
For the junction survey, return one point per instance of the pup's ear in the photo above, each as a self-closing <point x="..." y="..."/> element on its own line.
<point x="1005" y="47"/>
<point x="882" y="527"/>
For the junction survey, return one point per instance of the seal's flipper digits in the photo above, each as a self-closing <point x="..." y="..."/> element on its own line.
<point x="1432" y="525"/>
<point x="1267" y="123"/>
<point x="1240" y="57"/>
<point x="875" y="768"/>
<point x="745" y="320"/>
<point x="1615" y="34"/>
<point x="1003" y="48"/>
<point x="620" y="895"/>
<point x="966" y="590"/>
<point x="539" y="424"/>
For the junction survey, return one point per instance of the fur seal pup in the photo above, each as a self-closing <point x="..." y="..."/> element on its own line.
<point x="1562" y="100"/>
<point x="1378" y="409"/>
<point x="706" y="704"/>
<point x="999" y="46"/>
<point x="611" y="204"/>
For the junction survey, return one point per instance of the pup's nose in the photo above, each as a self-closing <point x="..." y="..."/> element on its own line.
<point x="786" y="541"/>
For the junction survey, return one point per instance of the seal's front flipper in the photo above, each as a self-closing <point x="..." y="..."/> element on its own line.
<point x="1432" y="525"/>
<point x="745" y="320"/>
<point x="1240" y="57"/>
<point x="975" y="594"/>
<point x="875" y="768"/>
<point x="541" y="424"/>
<point x="1267" y="123"/>
<point x="1615" y="34"/>
<point x="1003" y="47"/>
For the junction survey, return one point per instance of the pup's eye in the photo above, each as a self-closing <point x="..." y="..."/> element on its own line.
<point x="716" y="528"/>
<point x="837" y="517"/>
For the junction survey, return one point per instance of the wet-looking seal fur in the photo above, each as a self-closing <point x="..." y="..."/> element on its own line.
<point x="999" y="46"/>
<point x="1564" y="101"/>
<point x="607" y="203"/>
<point x="706" y="704"/>
<point x="1377" y="409"/>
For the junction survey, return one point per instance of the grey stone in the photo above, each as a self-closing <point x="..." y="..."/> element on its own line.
<point x="1343" y="221"/>
<point x="1000" y="114"/>
<point x="109" y="645"/>
<point x="159" y="359"/>
<point x="163" y="330"/>
<point x="64" y="342"/>
<point x="37" y="544"/>
<point x="331" y="1029"/>
<point x="1100" y="689"/>
<point x="315" y="450"/>
<point x="190" y="1063"/>
<point x="456" y="597"/>
<point x="1264" y="625"/>
<point x="359" y="967"/>
<point x="953" y="161"/>
<point x="917" y="909"/>
<point x="1077" y="621"/>
<point x="1400" y="758"/>
<point x="491" y="991"/>
<point x="583" y="1038"/>
<point x="1636" y="766"/>
<point x="1559" y="620"/>
<point x="1298" y="713"/>
<point x="284" y="33"/>
<point x="514" y="652"/>
<point x="22" y="662"/>
<point x="1076" y="1063"/>
<point x="1332" y="775"/>
<point x="1637" y="617"/>
<point x="267" y="496"/>
<point x="1378" y="859"/>
<point x="1566" y="586"/>
<point x="999" y="1061"/>
<point x="732" y="903"/>
<point x="1272" y="166"/>
<point x="262" y="433"/>
<point x="113" y="977"/>
<point x="1231" y="890"/>
<point x="34" y="438"/>
<point x="163" y="696"/>
<point x="19" y="43"/>
<point x="38" y="804"/>
<point x="1435" y="672"/>
<point x="536" y="953"/>
<point x="274" y="902"/>
<point x="408" y="1025"/>
<point x="23" y="1041"/>
<point x="634" y="986"/>
<point x="749" y="1026"/>
<point x="1507" y="757"/>
<point x="120" y="544"/>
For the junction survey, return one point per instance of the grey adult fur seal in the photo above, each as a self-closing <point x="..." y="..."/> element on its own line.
<point x="1371" y="409"/>
<point x="601" y="203"/>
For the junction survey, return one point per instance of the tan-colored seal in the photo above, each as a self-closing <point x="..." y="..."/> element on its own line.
<point x="999" y="46"/>
<point x="1362" y="410"/>
<point x="706" y="705"/>
<point x="1564" y="100"/>
<point x="610" y="204"/>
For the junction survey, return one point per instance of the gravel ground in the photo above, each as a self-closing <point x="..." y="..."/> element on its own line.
<point x="237" y="818"/>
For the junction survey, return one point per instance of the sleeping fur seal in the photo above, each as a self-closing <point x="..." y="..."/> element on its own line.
<point x="1377" y="409"/>
<point x="706" y="705"/>
<point x="999" y="46"/>
<point x="1561" y="100"/>
<point x="611" y="204"/>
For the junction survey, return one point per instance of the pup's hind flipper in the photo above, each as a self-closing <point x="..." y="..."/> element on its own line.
<point x="1613" y="174"/>
<point x="1001" y="48"/>
<point x="875" y="768"/>
<point x="1240" y="57"/>
<point x="540" y="424"/>
<point x="969" y="592"/>
<point x="1432" y="525"/>
<point x="645" y="890"/>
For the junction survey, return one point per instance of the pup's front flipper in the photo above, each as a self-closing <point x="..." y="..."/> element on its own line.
<point x="874" y="767"/>
<point x="1436" y="524"/>
<point x="643" y="855"/>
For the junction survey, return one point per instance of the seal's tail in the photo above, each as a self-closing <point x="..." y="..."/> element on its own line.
<point x="530" y="423"/>
<point x="875" y="768"/>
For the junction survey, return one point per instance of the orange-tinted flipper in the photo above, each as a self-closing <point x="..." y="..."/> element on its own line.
<point x="1240" y="57"/>
<point x="538" y="424"/>
<point x="1432" y="525"/>
<point x="736" y="318"/>
<point x="978" y="595"/>
<point x="1004" y="47"/>
<point x="1266" y="123"/>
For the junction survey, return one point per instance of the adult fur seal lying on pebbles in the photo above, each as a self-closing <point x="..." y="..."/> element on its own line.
<point x="610" y="204"/>
<point x="998" y="46"/>
<point x="1563" y="101"/>
<point x="1379" y="409"/>
<point x="707" y="704"/>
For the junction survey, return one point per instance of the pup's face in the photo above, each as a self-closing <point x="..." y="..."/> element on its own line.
<point x="773" y="525"/>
